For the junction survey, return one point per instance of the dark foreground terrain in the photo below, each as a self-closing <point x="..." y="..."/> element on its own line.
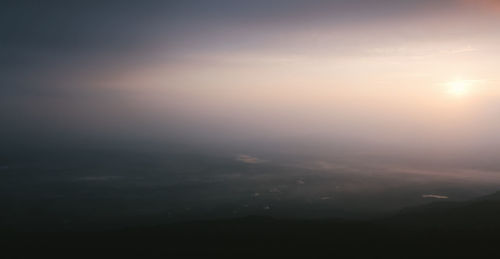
<point x="439" y="230"/>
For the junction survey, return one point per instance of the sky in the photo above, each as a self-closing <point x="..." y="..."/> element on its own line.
<point x="416" y="77"/>
<point x="198" y="109"/>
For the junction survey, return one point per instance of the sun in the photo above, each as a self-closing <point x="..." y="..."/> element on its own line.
<point x="458" y="87"/>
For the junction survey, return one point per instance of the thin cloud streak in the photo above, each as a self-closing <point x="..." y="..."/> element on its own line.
<point x="434" y="196"/>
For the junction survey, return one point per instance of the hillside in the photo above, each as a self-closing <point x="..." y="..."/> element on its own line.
<point x="437" y="229"/>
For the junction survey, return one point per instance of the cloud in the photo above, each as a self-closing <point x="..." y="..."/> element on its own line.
<point x="476" y="175"/>
<point x="462" y="50"/>
<point x="434" y="196"/>
<point x="249" y="159"/>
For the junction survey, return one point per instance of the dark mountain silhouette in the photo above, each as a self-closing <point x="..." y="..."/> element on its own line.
<point x="482" y="213"/>
<point x="441" y="229"/>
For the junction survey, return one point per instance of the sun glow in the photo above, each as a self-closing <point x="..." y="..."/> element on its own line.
<point x="458" y="87"/>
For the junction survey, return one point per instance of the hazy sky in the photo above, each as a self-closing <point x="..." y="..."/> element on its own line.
<point x="389" y="74"/>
